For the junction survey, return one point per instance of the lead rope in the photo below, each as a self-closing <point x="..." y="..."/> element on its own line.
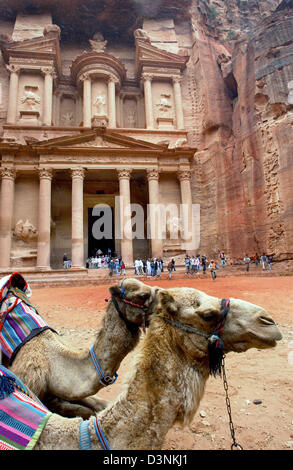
<point x="235" y="444"/>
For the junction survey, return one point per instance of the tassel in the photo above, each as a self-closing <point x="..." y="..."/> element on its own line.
<point x="6" y="386"/>
<point x="216" y="352"/>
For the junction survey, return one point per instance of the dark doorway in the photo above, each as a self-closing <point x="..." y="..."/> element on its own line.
<point x="103" y="244"/>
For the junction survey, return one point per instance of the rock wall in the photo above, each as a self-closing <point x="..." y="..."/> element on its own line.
<point x="240" y="119"/>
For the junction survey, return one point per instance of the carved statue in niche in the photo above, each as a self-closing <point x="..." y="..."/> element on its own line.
<point x="164" y="105"/>
<point x="25" y="231"/>
<point x="97" y="43"/>
<point x="67" y="119"/>
<point x="30" y="99"/>
<point x="100" y="104"/>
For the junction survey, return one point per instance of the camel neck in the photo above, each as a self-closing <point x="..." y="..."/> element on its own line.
<point x="113" y="341"/>
<point x="164" y="389"/>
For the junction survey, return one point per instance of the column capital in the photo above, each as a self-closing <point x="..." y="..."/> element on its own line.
<point x="153" y="174"/>
<point x="8" y="173"/>
<point x="124" y="174"/>
<point x="85" y="76"/>
<point x="46" y="173"/>
<point x="184" y="175"/>
<point x="147" y="77"/>
<point x="112" y="79"/>
<point x="176" y="79"/>
<point x="12" y="68"/>
<point x="48" y="71"/>
<point x="78" y="173"/>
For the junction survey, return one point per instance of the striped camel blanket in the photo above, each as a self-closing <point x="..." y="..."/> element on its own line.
<point x="22" y="415"/>
<point x="19" y="320"/>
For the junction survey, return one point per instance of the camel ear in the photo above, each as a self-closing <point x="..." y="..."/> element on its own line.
<point x="168" y="302"/>
<point x="115" y="290"/>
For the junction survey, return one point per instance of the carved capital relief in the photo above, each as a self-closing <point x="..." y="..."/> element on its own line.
<point x="46" y="173"/>
<point x="85" y="76"/>
<point x="177" y="79"/>
<point x="184" y="175"/>
<point x="125" y="173"/>
<point x="12" y="68"/>
<point x="8" y="173"/>
<point x="78" y="173"/>
<point x="147" y="77"/>
<point x="152" y="174"/>
<point x="48" y="71"/>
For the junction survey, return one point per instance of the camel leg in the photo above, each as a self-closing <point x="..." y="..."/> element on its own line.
<point x="84" y="408"/>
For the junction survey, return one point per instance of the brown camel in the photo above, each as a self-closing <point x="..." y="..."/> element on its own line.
<point x="59" y="374"/>
<point x="172" y="367"/>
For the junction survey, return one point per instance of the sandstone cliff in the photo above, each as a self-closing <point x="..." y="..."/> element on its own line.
<point x="241" y="122"/>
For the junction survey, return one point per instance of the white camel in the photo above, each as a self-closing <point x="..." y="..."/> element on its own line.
<point x="171" y="371"/>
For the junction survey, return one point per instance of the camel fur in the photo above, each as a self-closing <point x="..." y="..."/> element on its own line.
<point x="172" y="367"/>
<point x="59" y="374"/>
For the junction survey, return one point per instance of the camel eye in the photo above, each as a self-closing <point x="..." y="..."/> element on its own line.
<point x="208" y="316"/>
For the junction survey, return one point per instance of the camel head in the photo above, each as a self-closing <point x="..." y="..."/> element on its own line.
<point x="139" y="295"/>
<point x="246" y="325"/>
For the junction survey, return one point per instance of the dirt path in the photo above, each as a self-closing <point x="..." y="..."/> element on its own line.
<point x="255" y="375"/>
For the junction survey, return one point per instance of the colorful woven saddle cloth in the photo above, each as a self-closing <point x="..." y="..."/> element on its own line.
<point x="22" y="415"/>
<point x="19" y="320"/>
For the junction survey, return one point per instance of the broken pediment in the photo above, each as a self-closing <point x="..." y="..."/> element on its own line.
<point x="41" y="49"/>
<point x="148" y="55"/>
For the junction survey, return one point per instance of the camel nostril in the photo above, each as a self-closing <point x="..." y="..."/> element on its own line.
<point x="267" y="320"/>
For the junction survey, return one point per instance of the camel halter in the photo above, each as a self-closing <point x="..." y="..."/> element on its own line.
<point x="105" y="380"/>
<point x="131" y="326"/>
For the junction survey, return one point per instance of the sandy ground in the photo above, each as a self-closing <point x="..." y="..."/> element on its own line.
<point x="255" y="375"/>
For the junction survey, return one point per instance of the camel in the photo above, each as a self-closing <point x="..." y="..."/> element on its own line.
<point x="171" y="368"/>
<point x="59" y="374"/>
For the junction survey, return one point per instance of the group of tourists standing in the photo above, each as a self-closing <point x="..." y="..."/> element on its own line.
<point x="264" y="260"/>
<point x="151" y="267"/>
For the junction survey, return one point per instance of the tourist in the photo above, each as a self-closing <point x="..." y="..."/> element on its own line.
<point x="269" y="260"/>
<point x="255" y="259"/>
<point x="246" y="260"/>
<point x="148" y="267"/>
<point x="223" y="259"/>
<point x="170" y="268"/>
<point x="263" y="260"/>
<point x="65" y="261"/>
<point x="197" y="264"/>
<point x="111" y="267"/>
<point x="173" y="264"/>
<point x="159" y="268"/>
<point x="136" y="267"/>
<point x="144" y="267"/>
<point x="122" y="268"/>
<point x="204" y="263"/>
<point x="117" y="266"/>
<point x="193" y="266"/>
<point x="187" y="264"/>
<point x="213" y="268"/>
<point x="140" y="267"/>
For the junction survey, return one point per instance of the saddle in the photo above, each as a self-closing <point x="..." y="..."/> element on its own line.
<point x="22" y="415"/>
<point x="19" y="320"/>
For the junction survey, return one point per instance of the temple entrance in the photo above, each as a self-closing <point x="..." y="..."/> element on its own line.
<point x="103" y="244"/>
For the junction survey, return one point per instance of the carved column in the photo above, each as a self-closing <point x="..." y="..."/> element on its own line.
<point x="6" y="214"/>
<point x="111" y="102"/>
<point x="48" y="95"/>
<point x="87" y="100"/>
<point x="184" y="177"/>
<point x="44" y="224"/>
<point x="77" y="218"/>
<point x="154" y="201"/>
<point x="125" y="216"/>
<point x="147" y="80"/>
<point x="13" y="93"/>
<point x="178" y="102"/>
